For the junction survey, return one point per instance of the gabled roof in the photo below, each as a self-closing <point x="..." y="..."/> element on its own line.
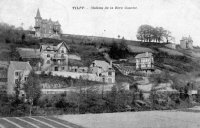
<point x="19" y="65"/>
<point x="144" y="55"/>
<point x="48" y="47"/>
<point x="62" y="43"/>
<point x="51" y="47"/>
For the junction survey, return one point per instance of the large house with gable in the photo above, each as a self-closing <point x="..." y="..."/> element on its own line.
<point x="55" y="58"/>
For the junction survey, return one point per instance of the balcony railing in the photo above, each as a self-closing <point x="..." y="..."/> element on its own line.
<point x="59" y="63"/>
<point x="60" y="57"/>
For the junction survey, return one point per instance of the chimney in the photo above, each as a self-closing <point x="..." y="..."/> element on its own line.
<point x="111" y="63"/>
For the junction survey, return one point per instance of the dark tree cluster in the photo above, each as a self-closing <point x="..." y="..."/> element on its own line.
<point x="148" y="33"/>
<point x="119" y="50"/>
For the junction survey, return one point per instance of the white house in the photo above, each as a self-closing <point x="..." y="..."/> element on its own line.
<point x="103" y="70"/>
<point x="144" y="61"/>
<point x="17" y="71"/>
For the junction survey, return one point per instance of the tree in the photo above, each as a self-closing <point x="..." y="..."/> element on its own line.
<point x="159" y="34"/>
<point x="17" y="88"/>
<point x="30" y="28"/>
<point x="119" y="50"/>
<point x="23" y="37"/>
<point x="167" y="35"/>
<point x="32" y="89"/>
<point x="118" y="36"/>
<point x="145" y="33"/>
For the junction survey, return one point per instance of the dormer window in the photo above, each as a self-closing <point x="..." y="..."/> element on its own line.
<point x="48" y="55"/>
<point x="62" y="51"/>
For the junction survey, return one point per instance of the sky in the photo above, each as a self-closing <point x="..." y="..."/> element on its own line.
<point x="181" y="17"/>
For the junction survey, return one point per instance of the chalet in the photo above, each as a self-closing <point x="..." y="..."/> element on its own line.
<point x="144" y="61"/>
<point x="55" y="58"/>
<point x="17" y="71"/>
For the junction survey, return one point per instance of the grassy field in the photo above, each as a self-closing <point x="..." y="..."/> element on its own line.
<point x="185" y="118"/>
<point x="148" y="119"/>
<point x="171" y="52"/>
<point x="138" y="49"/>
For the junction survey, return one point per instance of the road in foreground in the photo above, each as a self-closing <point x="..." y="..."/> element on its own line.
<point x="35" y="122"/>
<point x="148" y="119"/>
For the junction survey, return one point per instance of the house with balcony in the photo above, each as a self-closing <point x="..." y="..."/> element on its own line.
<point x="55" y="58"/>
<point x="17" y="71"/>
<point x="144" y="62"/>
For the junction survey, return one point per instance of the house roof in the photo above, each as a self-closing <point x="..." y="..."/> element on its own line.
<point x="102" y="63"/>
<point x="51" y="47"/>
<point x="4" y="64"/>
<point x="62" y="43"/>
<point x="29" y="53"/>
<point x="144" y="55"/>
<point x="72" y="62"/>
<point x="19" y="65"/>
<point x="38" y="13"/>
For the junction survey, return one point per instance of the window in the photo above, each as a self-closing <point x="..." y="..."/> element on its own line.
<point x="48" y="55"/>
<point x="48" y="62"/>
<point x="62" y="56"/>
<point x="16" y="81"/>
<point x="63" y="68"/>
<point x="110" y="73"/>
<point x="62" y="51"/>
<point x="25" y="78"/>
<point x="16" y="73"/>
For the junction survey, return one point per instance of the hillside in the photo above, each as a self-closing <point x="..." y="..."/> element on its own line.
<point x="172" y="60"/>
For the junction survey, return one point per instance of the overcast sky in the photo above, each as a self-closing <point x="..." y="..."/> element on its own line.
<point x="181" y="17"/>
